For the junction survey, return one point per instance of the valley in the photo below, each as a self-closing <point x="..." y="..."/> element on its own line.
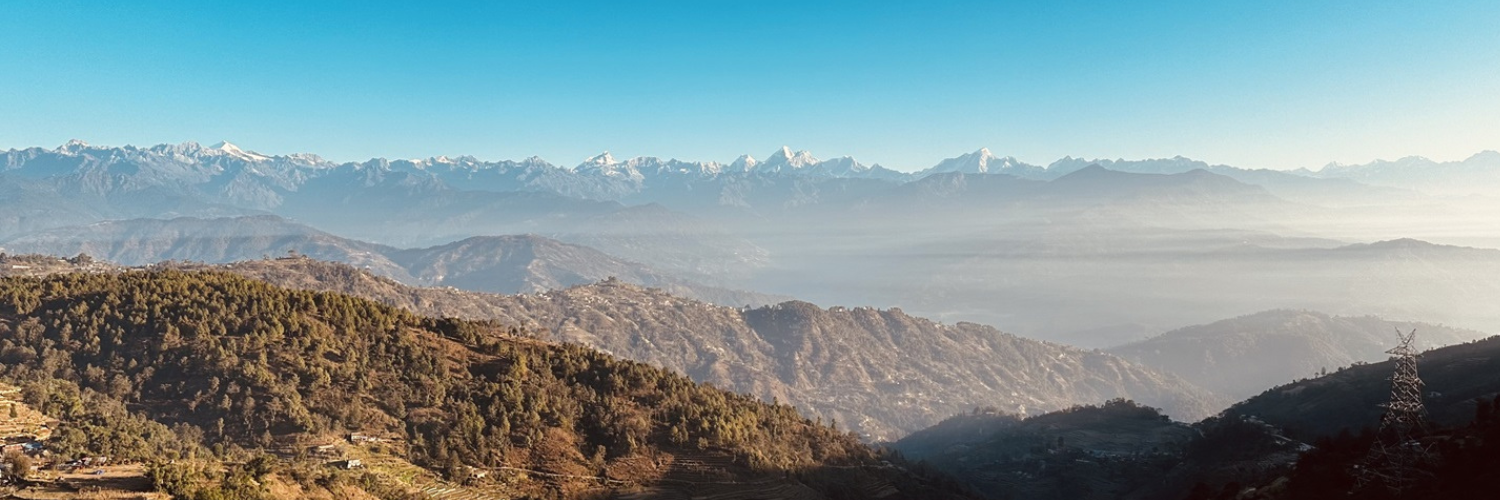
<point x="1093" y="253"/>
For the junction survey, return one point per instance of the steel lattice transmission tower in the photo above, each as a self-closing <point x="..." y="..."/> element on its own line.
<point x="1398" y="458"/>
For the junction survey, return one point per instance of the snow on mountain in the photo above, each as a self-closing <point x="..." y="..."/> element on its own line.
<point x="653" y="167"/>
<point x="605" y="165"/>
<point x="980" y="162"/>
<point x="803" y="163"/>
<point x="188" y="151"/>
<point x="784" y="160"/>
<point x="227" y="173"/>
<point x="224" y="147"/>
<point x="599" y="177"/>
<point x="744" y="163"/>
<point x="839" y="167"/>
<point x="73" y="146"/>
<point x="600" y="161"/>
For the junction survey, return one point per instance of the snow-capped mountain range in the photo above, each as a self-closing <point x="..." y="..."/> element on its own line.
<point x="228" y="174"/>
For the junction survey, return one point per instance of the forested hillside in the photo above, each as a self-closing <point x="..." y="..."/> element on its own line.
<point x="883" y="373"/>
<point x="224" y="361"/>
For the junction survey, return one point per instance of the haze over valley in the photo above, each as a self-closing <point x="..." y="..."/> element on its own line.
<point x="1090" y="253"/>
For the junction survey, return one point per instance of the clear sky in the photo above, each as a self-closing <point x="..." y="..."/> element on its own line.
<point x="904" y="84"/>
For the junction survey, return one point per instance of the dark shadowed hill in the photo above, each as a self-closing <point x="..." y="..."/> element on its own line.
<point x="1115" y="450"/>
<point x="1351" y="397"/>
<point x="1253" y="451"/>
<point x="1238" y="358"/>
<point x="880" y="372"/>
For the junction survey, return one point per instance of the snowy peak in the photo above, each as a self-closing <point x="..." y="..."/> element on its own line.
<point x="784" y="159"/>
<point x="978" y="162"/>
<point x="845" y="166"/>
<point x="72" y="146"/>
<point x="743" y="164"/>
<point x="225" y="148"/>
<point x="606" y="165"/>
<point x="601" y="160"/>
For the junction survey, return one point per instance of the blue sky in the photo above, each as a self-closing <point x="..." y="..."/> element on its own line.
<point x="904" y="84"/>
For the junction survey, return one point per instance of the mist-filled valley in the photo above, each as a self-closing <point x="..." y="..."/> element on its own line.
<point x="1089" y="253"/>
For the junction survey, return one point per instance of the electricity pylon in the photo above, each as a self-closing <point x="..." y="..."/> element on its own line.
<point x="1397" y="458"/>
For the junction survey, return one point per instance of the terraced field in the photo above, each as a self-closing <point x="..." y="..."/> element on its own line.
<point x="404" y="474"/>
<point x="689" y="476"/>
<point x="27" y="423"/>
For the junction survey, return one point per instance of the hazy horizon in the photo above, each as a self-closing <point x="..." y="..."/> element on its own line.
<point x="1269" y="85"/>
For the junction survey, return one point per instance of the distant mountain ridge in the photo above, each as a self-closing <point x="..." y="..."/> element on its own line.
<point x="1240" y="357"/>
<point x="144" y="241"/>
<point x="400" y="202"/>
<point x="503" y="264"/>
<point x="1477" y="174"/>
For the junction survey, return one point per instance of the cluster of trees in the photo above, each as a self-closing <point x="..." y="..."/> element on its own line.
<point x="98" y="425"/>
<point x="1115" y="449"/>
<point x="204" y="480"/>
<point x="212" y="361"/>
<point x="1113" y="409"/>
